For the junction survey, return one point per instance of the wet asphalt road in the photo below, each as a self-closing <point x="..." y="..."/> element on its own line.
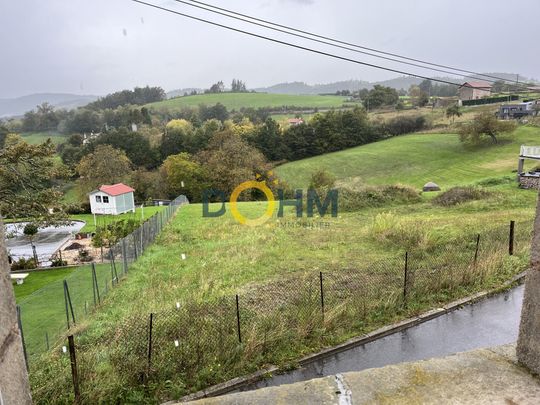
<point x="491" y="322"/>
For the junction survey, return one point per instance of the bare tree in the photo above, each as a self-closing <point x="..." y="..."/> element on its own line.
<point x="14" y="386"/>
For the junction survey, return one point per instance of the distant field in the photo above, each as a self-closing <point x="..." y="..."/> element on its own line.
<point x="40" y="137"/>
<point x="414" y="160"/>
<point x="255" y="100"/>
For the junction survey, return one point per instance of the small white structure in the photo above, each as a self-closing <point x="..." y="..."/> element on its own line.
<point x="115" y="199"/>
<point x="19" y="277"/>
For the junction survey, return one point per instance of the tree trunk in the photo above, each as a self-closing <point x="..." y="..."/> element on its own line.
<point x="14" y="387"/>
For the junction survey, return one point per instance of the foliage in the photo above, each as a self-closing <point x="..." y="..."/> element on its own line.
<point x="148" y="184"/>
<point x="322" y="179"/>
<point x="44" y="118"/>
<point x="217" y="111"/>
<point x="484" y="125"/>
<point x="3" y="135"/>
<point x="110" y="234"/>
<point x="376" y="196"/>
<point x="84" y="256"/>
<point x="229" y="160"/>
<point x="58" y="262"/>
<point x="106" y="165"/>
<point x="30" y="230"/>
<point x="419" y="98"/>
<point x="238" y="86"/>
<point x="27" y="182"/>
<point x="137" y="96"/>
<point x="458" y="195"/>
<point x="24" y="264"/>
<point x="453" y="111"/>
<point x="381" y="96"/>
<point x="184" y="175"/>
<point x="136" y="147"/>
<point x="405" y="124"/>
<point x="218" y="87"/>
<point x="268" y="139"/>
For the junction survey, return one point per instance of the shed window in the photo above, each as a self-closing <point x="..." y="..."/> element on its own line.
<point x="105" y="199"/>
<point x="98" y="198"/>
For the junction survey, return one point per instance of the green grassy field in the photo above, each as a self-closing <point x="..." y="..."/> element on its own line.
<point x="255" y="100"/>
<point x="225" y="258"/>
<point x="39" y="279"/>
<point x="102" y="220"/>
<point x="35" y="138"/>
<point x="414" y="160"/>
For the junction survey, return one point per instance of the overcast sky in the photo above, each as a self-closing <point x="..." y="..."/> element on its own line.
<point x="100" y="46"/>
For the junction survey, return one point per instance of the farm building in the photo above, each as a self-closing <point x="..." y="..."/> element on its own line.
<point x="114" y="199"/>
<point x="474" y="90"/>
<point x="295" y="121"/>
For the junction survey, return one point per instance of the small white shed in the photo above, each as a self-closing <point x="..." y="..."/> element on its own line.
<point x="114" y="199"/>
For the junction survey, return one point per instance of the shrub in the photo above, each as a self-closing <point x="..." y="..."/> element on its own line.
<point x="496" y="181"/>
<point x="57" y="262"/>
<point x="84" y="256"/>
<point x="458" y="195"/>
<point x="322" y="179"/>
<point x="75" y="209"/>
<point x="353" y="200"/>
<point x="405" y="124"/>
<point x="484" y="126"/>
<point x="24" y="264"/>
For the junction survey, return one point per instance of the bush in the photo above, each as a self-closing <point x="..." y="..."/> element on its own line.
<point x="24" y="264"/>
<point x="353" y="200"/>
<point x="84" y="256"/>
<point x="57" y="262"/>
<point x="496" y="181"/>
<point x="458" y="195"/>
<point x="75" y="209"/>
<point x="322" y="179"/>
<point x="405" y="124"/>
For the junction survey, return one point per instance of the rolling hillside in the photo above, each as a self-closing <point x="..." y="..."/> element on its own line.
<point x="256" y="100"/>
<point x="414" y="160"/>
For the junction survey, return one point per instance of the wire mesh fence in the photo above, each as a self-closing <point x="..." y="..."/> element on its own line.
<point x="198" y="339"/>
<point x="49" y="311"/>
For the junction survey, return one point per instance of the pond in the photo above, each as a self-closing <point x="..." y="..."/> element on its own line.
<point x="47" y="241"/>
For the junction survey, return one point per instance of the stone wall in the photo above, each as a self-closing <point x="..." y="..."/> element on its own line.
<point x="529" y="181"/>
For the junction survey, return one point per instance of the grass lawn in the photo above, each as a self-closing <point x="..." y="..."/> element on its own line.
<point x="35" y="138"/>
<point x="414" y="160"/>
<point x="43" y="310"/>
<point x="255" y="100"/>
<point x="101" y="220"/>
<point x="39" y="279"/>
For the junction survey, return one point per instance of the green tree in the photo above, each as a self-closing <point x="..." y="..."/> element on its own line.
<point x="178" y="137"/>
<point x="485" y="125"/>
<point x="229" y="160"/>
<point x="184" y="175"/>
<point x="419" y="98"/>
<point x="452" y="112"/>
<point x="28" y="174"/>
<point x="381" y="96"/>
<point x="106" y="165"/>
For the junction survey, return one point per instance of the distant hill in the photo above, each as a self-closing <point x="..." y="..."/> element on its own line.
<point x="181" y="92"/>
<point x="19" y="105"/>
<point x="403" y="82"/>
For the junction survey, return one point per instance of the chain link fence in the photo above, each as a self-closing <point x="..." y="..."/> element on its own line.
<point x="49" y="311"/>
<point x="196" y="340"/>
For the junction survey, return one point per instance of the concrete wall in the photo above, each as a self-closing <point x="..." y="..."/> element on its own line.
<point x="528" y="347"/>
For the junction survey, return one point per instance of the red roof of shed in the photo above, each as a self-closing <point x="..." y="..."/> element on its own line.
<point x="116" y="189"/>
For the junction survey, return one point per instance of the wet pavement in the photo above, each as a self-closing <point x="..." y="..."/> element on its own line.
<point x="47" y="240"/>
<point x="491" y="322"/>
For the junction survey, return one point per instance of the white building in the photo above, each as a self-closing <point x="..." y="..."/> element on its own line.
<point x="113" y="200"/>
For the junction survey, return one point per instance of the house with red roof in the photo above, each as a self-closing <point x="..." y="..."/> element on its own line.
<point x="474" y="90"/>
<point x="112" y="199"/>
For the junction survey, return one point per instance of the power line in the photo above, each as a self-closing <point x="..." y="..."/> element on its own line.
<point x="313" y="39"/>
<point x="339" y="41"/>
<point x="331" y="55"/>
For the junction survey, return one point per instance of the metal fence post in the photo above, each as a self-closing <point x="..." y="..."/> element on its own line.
<point x="47" y="340"/>
<point x="150" y="326"/>
<point x="124" y="256"/>
<point x="322" y="293"/>
<point x="511" y="239"/>
<point x="406" y="279"/>
<point x="96" y="285"/>
<point x="238" y="319"/>
<point x="74" y="373"/>
<point x="19" y="323"/>
<point x="134" y="244"/>
<point x="69" y="306"/>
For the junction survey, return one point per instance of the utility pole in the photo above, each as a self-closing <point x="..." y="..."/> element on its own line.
<point x="14" y="386"/>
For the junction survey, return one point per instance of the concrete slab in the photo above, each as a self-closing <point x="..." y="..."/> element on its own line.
<point x="484" y="376"/>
